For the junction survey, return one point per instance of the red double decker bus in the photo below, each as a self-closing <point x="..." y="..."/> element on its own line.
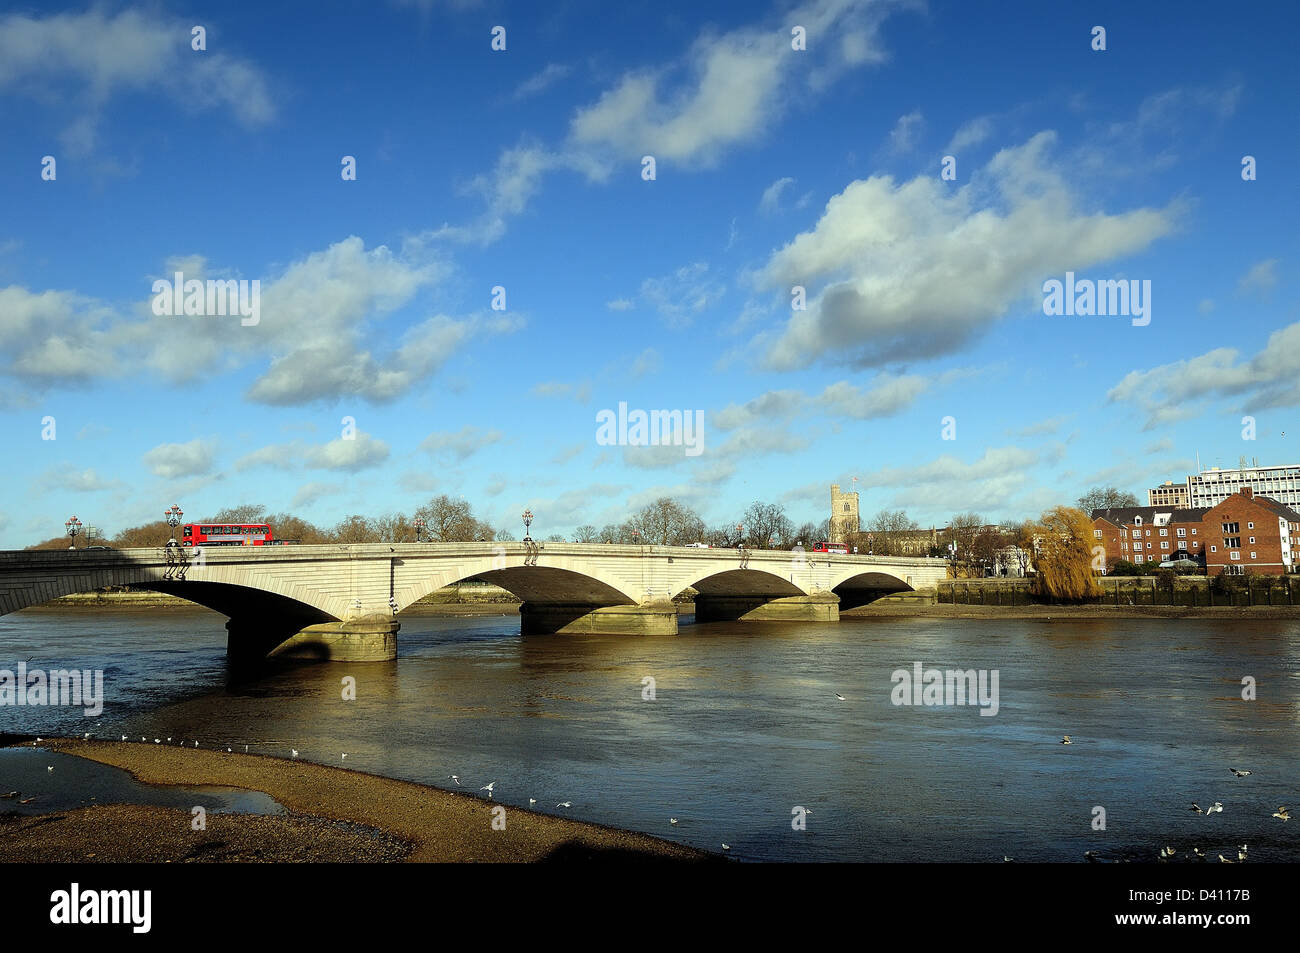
<point x="228" y="534"/>
<point x="825" y="547"/>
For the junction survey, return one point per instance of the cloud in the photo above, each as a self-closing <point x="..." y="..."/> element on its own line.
<point x="771" y="200"/>
<point x="887" y="394"/>
<point x="970" y="134"/>
<point x="460" y="445"/>
<point x="538" y="82"/>
<point x="76" y="481"/>
<point x="1171" y="392"/>
<point x="92" y="57"/>
<point x="730" y="89"/>
<point x="902" y="138"/>
<point x="647" y="362"/>
<point x="174" y="460"/>
<point x="914" y="270"/>
<point x="309" y="493"/>
<point x="683" y="294"/>
<point x="620" y="304"/>
<point x="1260" y="279"/>
<point x="345" y="454"/>
<point x="579" y="391"/>
<point x="1043" y="427"/>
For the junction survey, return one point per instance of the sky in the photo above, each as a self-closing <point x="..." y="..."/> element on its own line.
<point x="506" y="264"/>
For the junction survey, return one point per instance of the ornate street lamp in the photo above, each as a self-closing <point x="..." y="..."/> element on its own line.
<point x="173" y="518"/>
<point x="74" y="527"/>
<point x="528" y="522"/>
<point x="419" y="525"/>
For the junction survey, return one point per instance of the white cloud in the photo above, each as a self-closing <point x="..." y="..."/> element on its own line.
<point x="1260" y="279"/>
<point x="771" y="200"/>
<point x="173" y="460"/>
<point x="903" y="137"/>
<point x="620" y="304"/>
<point x="460" y="445"/>
<point x="970" y="134"/>
<point x="552" y="73"/>
<point x="916" y="270"/>
<point x="647" y="362"/>
<point x="682" y="295"/>
<point x="346" y="454"/>
<point x="94" y="56"/>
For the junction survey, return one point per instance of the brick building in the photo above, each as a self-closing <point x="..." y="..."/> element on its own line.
<point x="1141" y="533"/>
<point x="1251" y="532"/>
<point x="1244" y="531"/>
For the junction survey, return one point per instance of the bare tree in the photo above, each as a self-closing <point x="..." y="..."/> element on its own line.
<point x="666" y="522"/>
<point x="355" y="529"/>
<point x="449" y="521"/>
<point x="1106" y="497"/>
<point x="586" y="533"/>
<point x="962" y="530"/>
<point x="766" y="525"/>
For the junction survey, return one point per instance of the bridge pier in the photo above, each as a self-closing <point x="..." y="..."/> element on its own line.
<point x="818" y="607"/>
<point x="366" y="639"/>
<point x="546" y="618"/>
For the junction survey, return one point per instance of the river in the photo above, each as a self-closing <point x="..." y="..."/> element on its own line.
<point x="745" y="726"/>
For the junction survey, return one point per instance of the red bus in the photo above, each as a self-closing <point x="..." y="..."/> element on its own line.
<point x="825" y="547"/>
<point x="228" y="534"/>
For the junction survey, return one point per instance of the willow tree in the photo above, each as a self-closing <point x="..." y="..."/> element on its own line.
<point x="1063" y="541"/>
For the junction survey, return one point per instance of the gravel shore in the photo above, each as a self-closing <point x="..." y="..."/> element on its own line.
<point x="333" y="815"/>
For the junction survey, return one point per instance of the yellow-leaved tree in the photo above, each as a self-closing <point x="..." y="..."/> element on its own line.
<point x="1063" y="555"/>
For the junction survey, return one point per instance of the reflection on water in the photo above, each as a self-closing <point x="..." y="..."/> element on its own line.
<point x="746" y="726"/>
<point x="28" y="786"/>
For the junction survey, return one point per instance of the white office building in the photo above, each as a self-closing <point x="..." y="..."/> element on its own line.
<point x="1213" y="486"/>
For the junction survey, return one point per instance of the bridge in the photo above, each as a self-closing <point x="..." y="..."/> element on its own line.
<point x="340" y="602"/>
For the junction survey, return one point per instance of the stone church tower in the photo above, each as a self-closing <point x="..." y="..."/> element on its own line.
<point x="844" y="514"/>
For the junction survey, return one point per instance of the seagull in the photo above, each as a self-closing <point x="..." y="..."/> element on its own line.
<point x="488" y="788"/>
<point x="245" y="747"/>
<point x="840" y="697"/>
<point x="1197" y="808"/>
<point x="1225" y="860"/>
<point x="345" y="756"/>
<point x="1240" y="774"/>
<point x="1065" y="740"/>
<point x="157" y="742"/>
<point x="565" y="804"/>
<point x="1090" y="856"/>
<point x="1283" y="813"/>
<point x="196" y="744"/>
<point x="87" y="735"/>
<point x="726" y="847"/>
<point x="672" y="820"/>
<point x="532" y="800"/>
<point x="1167" y="852"/>
<point x="456" y="779"/>
<point x="1241" y="853"/>
<point x="228" y="751"/>
<point x="28" y="800"/>
<point x="50" y="769"/>
<point x="1216" y="807"/>
<point x="10" y="794"/>
<point x="295" y="752"/>
<point x="1198" y="852"/>
<point x="124" y="737"/>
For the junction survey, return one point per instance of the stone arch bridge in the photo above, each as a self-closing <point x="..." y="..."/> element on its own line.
<point x="340" y="601"/>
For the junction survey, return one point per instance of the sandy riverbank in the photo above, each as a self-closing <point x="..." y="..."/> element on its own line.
<point x="334" y="815"/>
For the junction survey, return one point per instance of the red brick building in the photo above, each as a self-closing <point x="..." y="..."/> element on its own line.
<point x="1244" y="531"/>
<point x="1251" y="532"/>
<point x="1141" y="533"/>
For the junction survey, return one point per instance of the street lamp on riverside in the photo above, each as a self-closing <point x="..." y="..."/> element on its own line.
<point x="419" y="524"/>
<point x="74" y="527"/>
<point x="173" y="518"/>
<point x="528" y="521"/>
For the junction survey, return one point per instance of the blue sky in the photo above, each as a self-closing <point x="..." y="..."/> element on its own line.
<point x="522" y="169"/>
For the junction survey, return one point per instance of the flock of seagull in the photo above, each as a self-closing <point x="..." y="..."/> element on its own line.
<point x="1166" y="853"/>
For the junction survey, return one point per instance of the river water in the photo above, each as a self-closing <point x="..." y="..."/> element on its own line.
<point x="745" y="726"/>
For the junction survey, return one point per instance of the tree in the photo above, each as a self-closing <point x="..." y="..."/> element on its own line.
<point x="885" y="530"/>
<point x="666" y="522"/>
<point x="962" y="530"/>
<point x="355" y="529"/>
<point x="1105" y="497"/>
<point x="987" y="545"/>
<point x="288" y="526"/>
<point x="244" y="513"/>
<point x="156" y="533"/>
<point x="1064" y="556"/>
<point x="393" y="528"/>
<point x="766" y="525"/>
<point x="448" y="521"/>
<point x="586" y="533"/>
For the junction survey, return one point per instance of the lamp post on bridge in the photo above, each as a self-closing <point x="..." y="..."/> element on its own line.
<point x="74" y="527"/>
<point x="528" y="522"/>
<point x="173" y="518"/>
<point x="419" y="525"/>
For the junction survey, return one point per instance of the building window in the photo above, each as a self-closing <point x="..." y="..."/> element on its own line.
<point x="1214" y="549"/>
<point x="1235" y="555"/>
<point x="1231" y="529"/>
<point x="1164" y="545"/>
<point x="1250" y="526"/>
<point x="1193" y="532"/>
<point x="1252" y="539"/>
<point x="1164" y="532"/>
<point x="1252" y="555"/>
<point x="1097" y="534"/>
<point x="1181" y="533"/>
